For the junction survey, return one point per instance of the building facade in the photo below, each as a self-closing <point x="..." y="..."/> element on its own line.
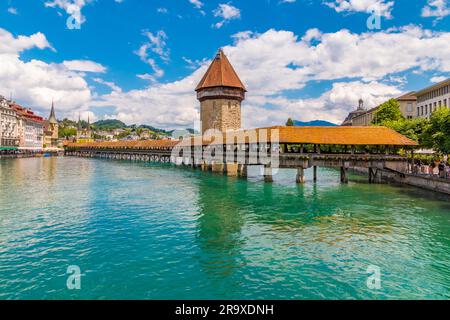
<point x="9" y="131"/>
<point x="432" y="98"/>
<point x="30" y="129"/>
<point x="220" y="93"/>
<point x="363" y="117"/>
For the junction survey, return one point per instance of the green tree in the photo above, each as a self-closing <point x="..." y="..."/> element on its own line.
<point x="437" y="134"/>
<point x="388" y="111"/>
<point x="290" y="122"/>
<point x="411" y="128"/>
<point x="65" y="132"/>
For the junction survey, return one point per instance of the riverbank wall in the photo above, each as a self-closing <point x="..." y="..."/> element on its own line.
<point x="29" y="155"/>
<point x="431" y="183"/>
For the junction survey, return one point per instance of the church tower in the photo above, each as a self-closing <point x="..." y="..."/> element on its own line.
<point x="220" y="93"/>
<point x="53" y="124"/>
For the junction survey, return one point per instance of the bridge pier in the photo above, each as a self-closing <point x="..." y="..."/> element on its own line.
<point x="375" y="175"/>
<point x="300" y="175"/>
<point x="232" y="169"/>
<point x="268" y="174"/>
<point x="344" y="174"/>
<point x="242" y="170"/>
<point x="315" y="173"/>
<point x="218" y="167"/>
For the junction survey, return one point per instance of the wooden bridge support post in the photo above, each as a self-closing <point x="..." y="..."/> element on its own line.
<point x="218" y="167"/>
<point x="344" y="175"/>
<point x="300" y="175"/>
<point x="232" y="169"/>
<point x="242" y="170"/>
<point x="315" y="173"/>
<point x="268" y="177"/>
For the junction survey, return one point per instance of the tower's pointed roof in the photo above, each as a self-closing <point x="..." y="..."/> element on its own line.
<point x="52" y="119"/>
<point x="220" y="74"/>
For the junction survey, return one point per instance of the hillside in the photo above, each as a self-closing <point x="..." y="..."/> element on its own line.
<point x="314" y="123"/>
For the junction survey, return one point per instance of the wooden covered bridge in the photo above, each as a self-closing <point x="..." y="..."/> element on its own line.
<point x="376" y="149"/>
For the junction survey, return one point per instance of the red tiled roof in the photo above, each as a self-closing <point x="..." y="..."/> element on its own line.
<point x="372" y="135"/>
<point x="220" y="74"/>
<point x="28" y="114"/>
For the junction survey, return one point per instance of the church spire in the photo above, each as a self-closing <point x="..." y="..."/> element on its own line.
<point x="52" y="119"/>
<point x="79" y="122"/>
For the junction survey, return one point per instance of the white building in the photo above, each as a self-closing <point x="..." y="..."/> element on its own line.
<point x="9" y="134"/>
<point x="433" y="98"/>
<point x="30" y="129"/>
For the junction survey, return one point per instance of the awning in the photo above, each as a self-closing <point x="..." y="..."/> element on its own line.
<point x="8" y="148"/>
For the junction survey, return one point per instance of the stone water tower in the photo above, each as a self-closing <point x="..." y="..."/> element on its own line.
<point x="220" y="93"/>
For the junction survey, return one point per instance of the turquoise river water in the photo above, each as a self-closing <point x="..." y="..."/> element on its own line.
<point x="147" y="231"/>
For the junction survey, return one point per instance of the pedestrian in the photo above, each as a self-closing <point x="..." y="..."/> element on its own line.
<point x="431" y="167"/>
<point x="441" y="168"/>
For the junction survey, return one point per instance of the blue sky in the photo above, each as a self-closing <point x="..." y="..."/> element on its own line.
<point x="139" y="60"/>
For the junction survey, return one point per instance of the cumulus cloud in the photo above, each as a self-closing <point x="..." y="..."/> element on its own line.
<point x="35" y="83"/>
<point x="383" y="7"/>
<point x="84" y="66"/>
<point x="14" y="45"/>
<point x="274" y="65"/>
<point x="227" y="12"/>
<point x="274" y="62"/>
<point x="436" y="9"/>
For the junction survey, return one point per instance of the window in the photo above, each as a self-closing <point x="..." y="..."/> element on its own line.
<point x="409" y="107"/>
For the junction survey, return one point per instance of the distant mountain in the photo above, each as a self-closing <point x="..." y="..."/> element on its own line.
<point x="314" y="123"/>
<point x="109" y="124"/>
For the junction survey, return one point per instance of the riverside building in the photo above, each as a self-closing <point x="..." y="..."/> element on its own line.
<point x="432" y="98"/>
<point x="9" y="132"/>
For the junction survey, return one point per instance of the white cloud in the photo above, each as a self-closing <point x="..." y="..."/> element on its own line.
<point x="156" y="44"/>
<point x="35" y="83"/>
<point x="84" y="66"/>
<point x="162" y="10"/>
<point x="438" y="79"/>
<point x="227" y="12"/>
<point x="13" y="10"/>
<point x="366" y="65"/>
<point x="436" y="8"/>
<point x="333" y="105"/>
<point x="275" y="61"/>
<point x="197" y="3"/>
<point x="11" y="44"/>
<point x="383" y="7"/>
<point x="109" y="84"/>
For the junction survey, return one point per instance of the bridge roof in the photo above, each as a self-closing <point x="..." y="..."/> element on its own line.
<point x="373" y="135"/>
<point x="145" y="144"/>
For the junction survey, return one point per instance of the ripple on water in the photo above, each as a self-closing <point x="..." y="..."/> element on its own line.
<point x="141" y="231"/>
